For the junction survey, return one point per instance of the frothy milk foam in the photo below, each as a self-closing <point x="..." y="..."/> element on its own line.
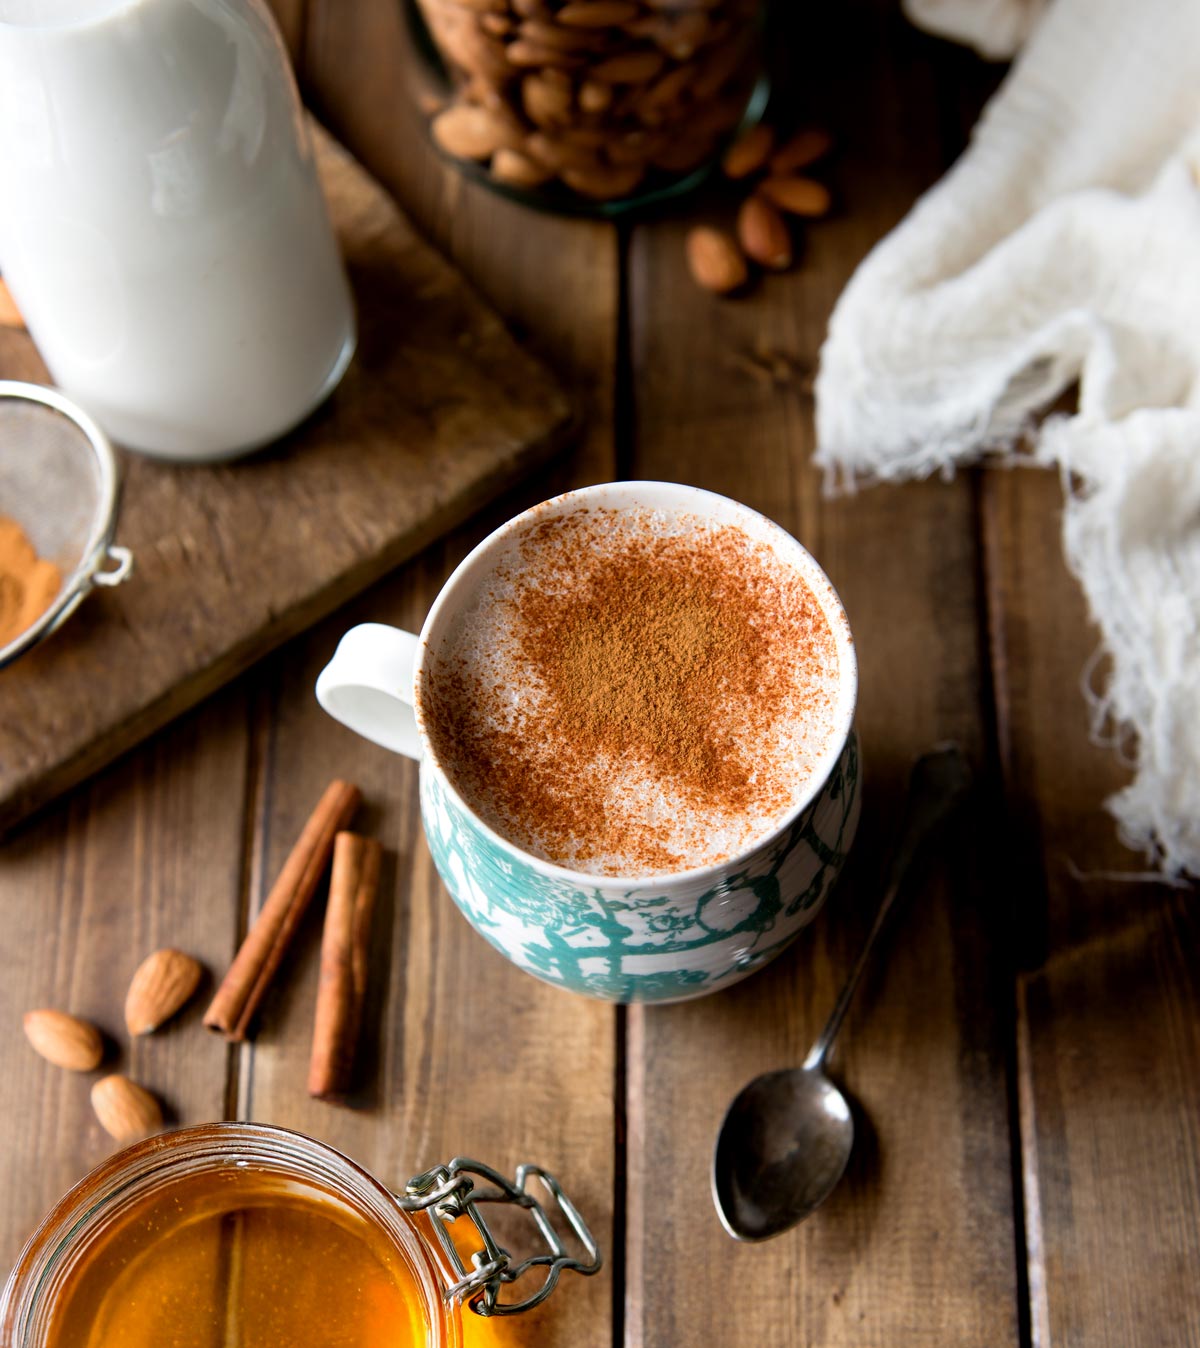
<point x="633" y="692"/>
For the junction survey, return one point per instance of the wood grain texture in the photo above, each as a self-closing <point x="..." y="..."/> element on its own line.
<point x="1110" y="1086"/>
<point x="465" y="1053"/>
<point x="917" y="1244"/>
<point x="470" y="1054"/>
<point x="1108" y="1036"/>
<point x="1057" y="778"/>
<point x="148" y="854"/>
<point x="439" y="411"/>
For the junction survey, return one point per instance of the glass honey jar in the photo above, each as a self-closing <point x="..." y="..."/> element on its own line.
<point x="249" y="1235"/>
<point x="587" y="106"/>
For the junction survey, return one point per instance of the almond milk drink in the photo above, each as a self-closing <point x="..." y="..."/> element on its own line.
<point x="161" y="225"/>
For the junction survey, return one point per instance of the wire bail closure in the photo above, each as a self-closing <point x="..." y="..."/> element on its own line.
<point x="449" y="1192"/>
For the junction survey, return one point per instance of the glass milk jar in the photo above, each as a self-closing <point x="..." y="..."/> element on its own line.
<point x="161" y="225"/>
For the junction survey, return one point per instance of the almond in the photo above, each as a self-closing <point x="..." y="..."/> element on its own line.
<point x="797" y="196"/>
<point x="749" y="152"/>
<point x="596" y="13"/>
<point x="683" y="36"/>
<point x="162" y="984"/>
<point x="525" y="53"/>
<point x="629" y="67"/>
<point x="715" y="260"/>
<point x="604" y="182"/>
<point x="763" y="234"/>
<point x="471" y="133"/>
<point x="127" y="1111"/>
<point x="64" y="1040"/>
<point x="594" y="96"/>
<point x="511" y="166"/>
<point x="545" y="102"/>
<point x="801" y="150"/>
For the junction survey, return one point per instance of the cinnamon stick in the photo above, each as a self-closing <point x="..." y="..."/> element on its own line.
<point x="353" y="883"/>
<point x="258" y="960"/>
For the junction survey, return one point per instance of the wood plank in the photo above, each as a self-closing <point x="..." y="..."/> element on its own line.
<point x="439" y="411"/>
<point x="148" y="854"/>
<point x="1057" y="779"/>
<point x="469" y="1054"/>
<point x="917" y="1245"/>
<point x="1110" y="1021"/>
<point x="466" y="1053"/>
<point x="1110" y="1112"/>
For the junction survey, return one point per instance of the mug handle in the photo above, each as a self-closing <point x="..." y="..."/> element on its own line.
<point x="368" y="686"/>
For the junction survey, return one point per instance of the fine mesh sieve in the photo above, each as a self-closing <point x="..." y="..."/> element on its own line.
<point x="58" y="480"/>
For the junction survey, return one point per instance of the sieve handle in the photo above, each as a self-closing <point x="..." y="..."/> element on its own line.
<point x="368" y="686"/>
<point x="122" y="560"/>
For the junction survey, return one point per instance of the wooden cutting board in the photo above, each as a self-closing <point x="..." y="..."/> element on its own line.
<point x="440" y="411"/>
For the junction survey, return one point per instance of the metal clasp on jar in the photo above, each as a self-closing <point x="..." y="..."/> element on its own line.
<point x="450" y="1192"/>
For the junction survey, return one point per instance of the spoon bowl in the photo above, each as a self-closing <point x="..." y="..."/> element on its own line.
<point x="783" y="1147"/>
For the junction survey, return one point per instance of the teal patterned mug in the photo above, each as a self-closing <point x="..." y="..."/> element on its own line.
<point x="636" y="938"/>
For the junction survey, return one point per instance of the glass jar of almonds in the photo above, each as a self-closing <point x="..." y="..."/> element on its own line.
<point x="589" y="105"/>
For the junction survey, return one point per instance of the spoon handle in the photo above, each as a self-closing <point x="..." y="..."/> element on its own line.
<point x="939" y="781"/>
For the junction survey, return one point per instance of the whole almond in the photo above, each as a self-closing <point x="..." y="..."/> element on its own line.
<point x="557" y="154"/>
<point x="797" y="196"/>
<point x="799" y="151"/>
<point x="749" y="152"/>
<point x="127" y="1111"/>
<point x="715" y="260"/>
<point x="162" y="984"/>
<point x="546" y="103"/>
<point x="511" y="166"/>
<point x="595" y="97"/>
<point x="64" y="1040"/>
<point x="470" y="132"/>
<point x="524" y="53"/>
<point x="683" y="36"/>
<point x="763" y="234"/>
<point x="543" y="34"/>
<point x="630" y="67"/>
<point x="596" y="13"/>
<point x="663" y="94"/>
<point x="604" y="182"/>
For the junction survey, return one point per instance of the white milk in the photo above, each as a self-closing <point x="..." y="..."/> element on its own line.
<point x="161" y="226"/>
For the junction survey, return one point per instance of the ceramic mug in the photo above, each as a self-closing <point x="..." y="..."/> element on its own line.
<point x="628" y="939"/>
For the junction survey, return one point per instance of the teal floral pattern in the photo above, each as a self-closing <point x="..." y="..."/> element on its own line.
<point x="643" y="945"/>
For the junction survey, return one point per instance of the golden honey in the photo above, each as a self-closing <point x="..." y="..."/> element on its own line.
<point x="239" y="1257"/>
<point x="243" y="1235"/>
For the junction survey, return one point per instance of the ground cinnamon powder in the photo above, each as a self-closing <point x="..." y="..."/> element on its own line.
<point x="28" y="583"/>
<point x="659" y="668"/>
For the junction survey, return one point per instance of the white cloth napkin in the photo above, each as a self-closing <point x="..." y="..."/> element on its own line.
<point x="1064" y="245"/>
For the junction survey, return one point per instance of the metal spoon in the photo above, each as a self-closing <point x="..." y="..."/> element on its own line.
<point x="787" y="1136"/>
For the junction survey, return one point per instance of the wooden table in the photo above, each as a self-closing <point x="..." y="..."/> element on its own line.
<point x="1026" y="1060"/>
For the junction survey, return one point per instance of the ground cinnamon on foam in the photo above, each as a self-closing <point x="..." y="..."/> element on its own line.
<point x="662" y="666"/>
<point x="28" y="584"/>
